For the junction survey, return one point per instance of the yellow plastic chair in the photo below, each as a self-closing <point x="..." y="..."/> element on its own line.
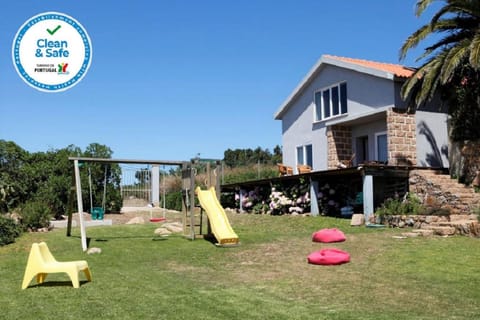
<point x="41" y="262"/>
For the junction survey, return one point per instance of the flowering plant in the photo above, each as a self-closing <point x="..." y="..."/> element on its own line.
<point x="279" y="202"/>
<point x="293" y="199"/>
<point x="327" y="200"/>
<point x="251" y="201"/>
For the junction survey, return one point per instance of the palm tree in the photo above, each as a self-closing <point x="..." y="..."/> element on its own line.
<point x="453" y="62"/>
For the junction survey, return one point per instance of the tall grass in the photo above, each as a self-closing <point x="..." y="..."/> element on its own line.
<point x="141" y="276"/>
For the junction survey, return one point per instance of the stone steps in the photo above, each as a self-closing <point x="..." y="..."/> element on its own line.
<point x="461" y="224"/>
<point x="438" y="189"/>
<point x="467" y="227"/>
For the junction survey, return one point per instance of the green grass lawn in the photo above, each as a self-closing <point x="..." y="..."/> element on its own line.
<point x="140" y="276"/>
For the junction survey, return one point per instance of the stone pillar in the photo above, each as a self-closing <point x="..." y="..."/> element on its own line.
<point x="368" y="197"/>
<point x="155" y="185"/>
<point x="339" y="140"/>
<point x="402" y="138"/>
<point x="314" y="209"/>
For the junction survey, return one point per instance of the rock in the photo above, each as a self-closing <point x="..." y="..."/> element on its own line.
<point x="475" y="229"/>
<point x="358" y="219"/>
<point x="174" y="227"/>
<point x="410" y="222"/>
<point x="410" y="234"/>
<point x="162" y="231"/>
<point x="443" y="231"/>
<point x="463" y="227"/>
<point x="473" y="217"/>
<point x="459" y="217"/>
<point x="423" y="232"/>
<point x="94" y="250"/>
<point x="136" y="220"/>
<point x="16" y="217"/>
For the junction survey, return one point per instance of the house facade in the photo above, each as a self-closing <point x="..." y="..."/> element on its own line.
<point x="348" y="109"/>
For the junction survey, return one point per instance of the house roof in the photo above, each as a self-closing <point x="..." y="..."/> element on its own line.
<point x="379" y="69"/>
<point x="394" y="69"/>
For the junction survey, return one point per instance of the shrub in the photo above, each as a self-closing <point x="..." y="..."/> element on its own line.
<point x="410" y="204"/>
<point x="9" y="230"/>
<point x="173" y="201"/>
<point x="249" y="173"/>
<point x="36" y="215"/>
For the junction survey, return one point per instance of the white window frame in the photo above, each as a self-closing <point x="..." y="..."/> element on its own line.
<point x="321" y="105"/>
<point x="377" y="134"/>
<point x="304" y="154"/>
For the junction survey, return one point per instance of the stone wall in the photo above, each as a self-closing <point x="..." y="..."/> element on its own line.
<point x="402" y="138"/>
<point x="470" y="166"/>
<point x="339" y="139"/>
<point x="438" y="191"/>
<point x="435" y="225"/>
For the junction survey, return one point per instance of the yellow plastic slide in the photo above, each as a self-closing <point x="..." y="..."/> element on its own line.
<point x="221" y="228"/>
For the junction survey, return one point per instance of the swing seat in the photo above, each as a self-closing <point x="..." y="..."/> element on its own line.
<point x="41" y="262"/>
<point x="97" y="213"/>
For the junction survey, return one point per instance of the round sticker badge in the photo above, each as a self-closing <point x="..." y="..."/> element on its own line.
<point x="52" y="52"/>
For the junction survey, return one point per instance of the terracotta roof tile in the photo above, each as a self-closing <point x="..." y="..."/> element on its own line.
<point x="396" y="69"/>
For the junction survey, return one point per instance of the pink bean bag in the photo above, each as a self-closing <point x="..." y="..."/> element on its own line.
<point x="328" y="235"/>
<point x="328" y="257"/>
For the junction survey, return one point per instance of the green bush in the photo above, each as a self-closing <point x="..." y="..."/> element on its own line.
<point x="408" y="205"/>
<point x="173" y="201"/>
<point x="36" y="215"/>
<point x="249" y="173"/>
<point x="9" y="230"/>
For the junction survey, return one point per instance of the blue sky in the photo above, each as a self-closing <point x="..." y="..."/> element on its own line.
<point x="171" y="79"/>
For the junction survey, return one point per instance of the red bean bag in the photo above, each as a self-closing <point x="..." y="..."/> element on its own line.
<point x="328" y="257"/>
<point x="328" y="235"/>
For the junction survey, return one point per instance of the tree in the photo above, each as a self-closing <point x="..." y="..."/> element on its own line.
<point x="102" y="176"/>
<point x="277" y="154"/>
<point x="244" y="157"/>
<point x="451" y="71"/>
<point x="14" y="181"/>
<point x="143" y="176"/>
<point x="451" y="62"/>
<point x="53" y="175"/>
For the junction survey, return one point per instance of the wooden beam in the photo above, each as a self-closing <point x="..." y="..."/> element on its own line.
<point x="139" y="161"/>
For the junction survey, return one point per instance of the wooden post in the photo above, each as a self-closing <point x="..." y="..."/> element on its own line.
<point x="314" y="210"/>
<point x="192" y="203"/>
<point x="70" y="205"/>
<point x="78" y="186"/>
<point x="367" y="197"/>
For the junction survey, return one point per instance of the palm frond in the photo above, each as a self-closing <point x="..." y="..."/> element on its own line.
<point x="474" y="58"/>
<point x="469" y="7"/>
<point x="421" y="6"/>
<point x="414" y="39"/>
<point x="447" y="59"/>
<point x="430" y="80"/>
<point x="458" y="8"/>
<point x="454" y="57"/>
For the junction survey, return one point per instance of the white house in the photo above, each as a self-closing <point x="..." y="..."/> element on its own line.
<point x="346" y="107"/>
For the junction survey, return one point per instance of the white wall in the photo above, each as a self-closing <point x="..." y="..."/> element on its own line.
<point x="432" y="139"/>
